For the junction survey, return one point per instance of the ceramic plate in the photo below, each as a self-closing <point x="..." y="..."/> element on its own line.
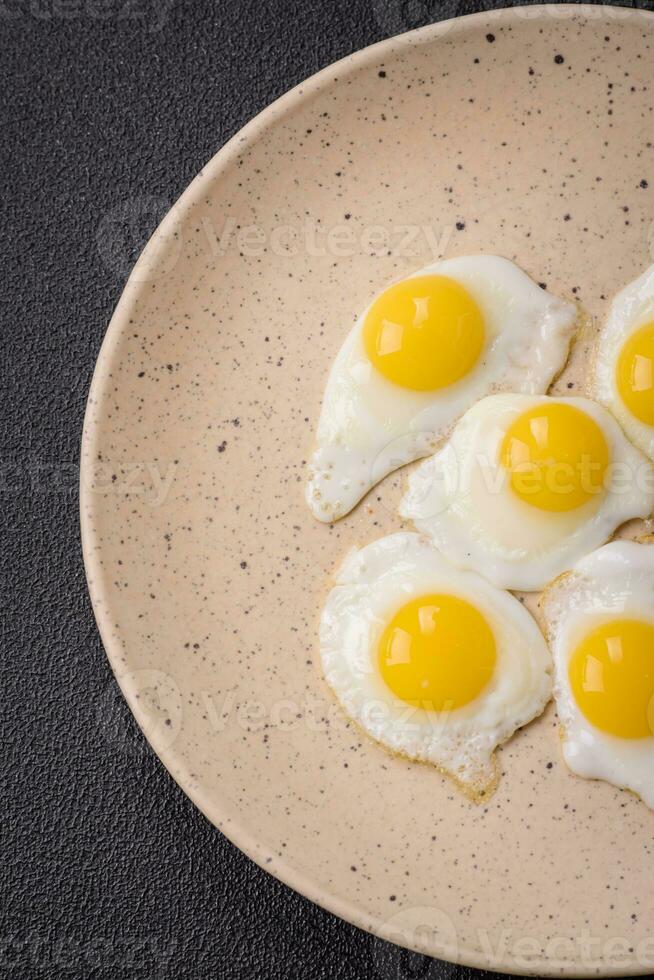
<point x="527" y="133"/>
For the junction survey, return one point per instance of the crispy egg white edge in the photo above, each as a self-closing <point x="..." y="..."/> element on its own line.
<point x="433" y="502"/>
<point x="631" y="308"/>
<point x="599" y="586"/>
<point x="527" y="364"/>
<point x="372" y="583"/>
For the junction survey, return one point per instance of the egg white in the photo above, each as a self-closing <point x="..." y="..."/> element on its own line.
<point x="616" y="581"/>
<point x="461" y="498"/>
<point x="369" y="426"/>
<point x="371" y="585"/>
<point x="631" y="309"/>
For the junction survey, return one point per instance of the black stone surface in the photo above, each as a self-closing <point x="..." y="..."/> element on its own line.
<point x="107" y="869"/>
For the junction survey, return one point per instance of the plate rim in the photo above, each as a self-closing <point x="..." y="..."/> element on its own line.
<point x="135" y="285"/>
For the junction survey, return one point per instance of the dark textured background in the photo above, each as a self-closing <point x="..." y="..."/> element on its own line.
<point x="107" y="869"/>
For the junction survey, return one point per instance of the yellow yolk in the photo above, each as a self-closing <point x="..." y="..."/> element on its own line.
<point x="557" y="457"/>
<point x="612" y="678"/>
<point x="437" y="652"/>
<point x="635" y="374"/>
<point x="424" y="333"/>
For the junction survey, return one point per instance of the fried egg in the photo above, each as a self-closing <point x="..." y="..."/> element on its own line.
<point x="624" y="363"/>
<point x="600" y="622"/>
<point x="433" y="662"/>
<point x="422" y="353"/>
<point x="526" y="486"/>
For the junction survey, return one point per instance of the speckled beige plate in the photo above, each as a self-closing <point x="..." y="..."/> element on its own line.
<point x="526" y="133"/>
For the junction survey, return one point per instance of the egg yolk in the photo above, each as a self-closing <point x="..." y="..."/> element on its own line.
<point x="437" y="652"/>
<point x="424" y="333"/>
<point x="612" y="678"/>
<point x="635" y="374"/>
<point x="557" y="457"/>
